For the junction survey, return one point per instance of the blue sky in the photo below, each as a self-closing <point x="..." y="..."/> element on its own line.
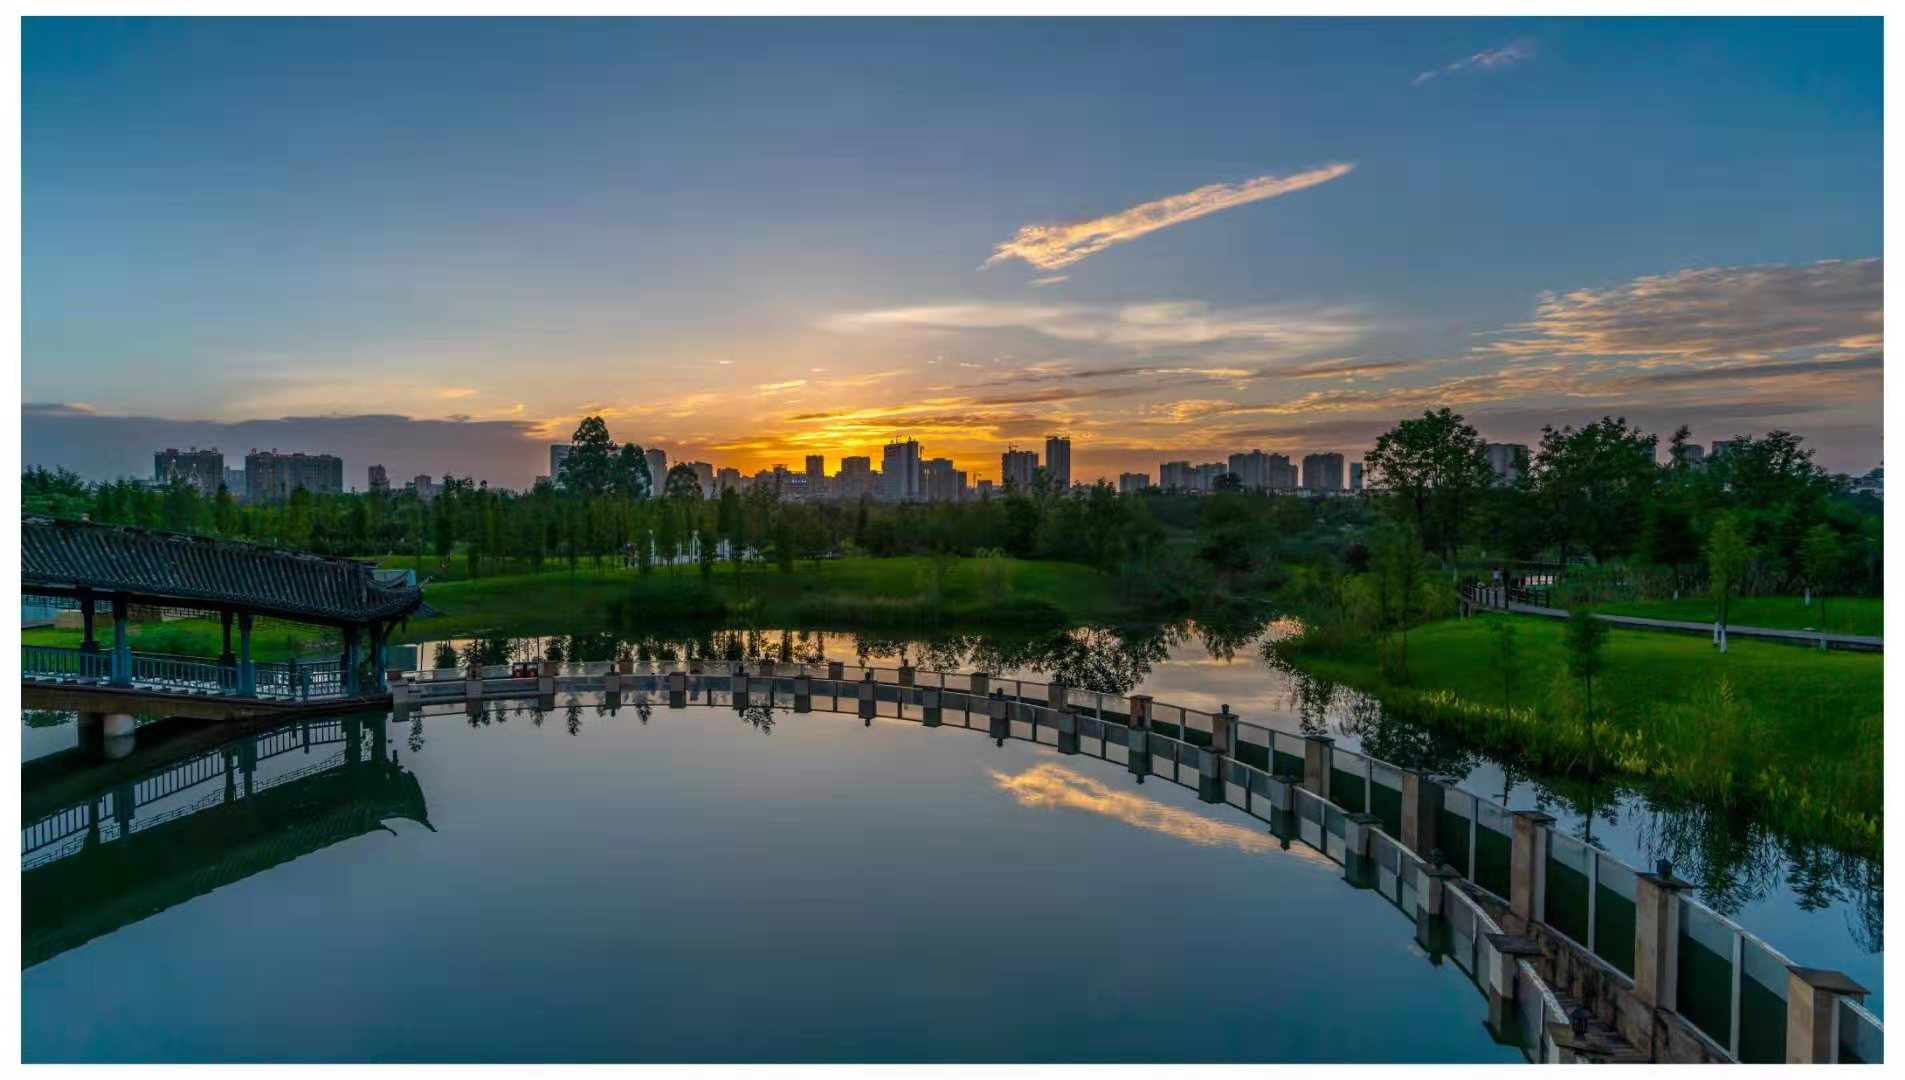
<point x="746" y="241"/>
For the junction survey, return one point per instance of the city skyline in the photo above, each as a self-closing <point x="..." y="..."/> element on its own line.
<point x="1292" y="236"/>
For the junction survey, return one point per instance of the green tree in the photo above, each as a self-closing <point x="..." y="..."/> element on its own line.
<point x="1728" y="556"/>
<point x="1506" y="653"/>
<point x="590" y="467"/>
<point x="682" y="486"/>
<point x="1584" y="636"/>
<point x="1822" y="556"/>
<point x="1432" y="470"/>
<point x="1593" y="485"/>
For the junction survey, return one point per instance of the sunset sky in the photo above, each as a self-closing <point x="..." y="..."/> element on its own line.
<point x="436" y="244"/>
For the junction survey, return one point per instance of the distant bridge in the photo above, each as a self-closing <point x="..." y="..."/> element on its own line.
<point x="1538" y="602"/>
<point x="119" y="568"/>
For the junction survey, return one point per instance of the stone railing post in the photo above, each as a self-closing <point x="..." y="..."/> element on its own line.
<point x="765" y="669"/>
<point x="1223" y="731"/>
<point x="1421" y="805"/>
<point x="803" y="692"/>
<point x="473" y="682"/>
<point x="1212" y="759"/>
<point x="612" y="684"/>
<point x="998" y="723"/>
<point x="1812" y="1014"/>
<point x="1656" y="944"/>
<point x="677" y="689"/>
<point x="836" y="670"/>
<point x="1431" y="903"/>
<point x="907" y="675"/>
<point x="981" y="685"/>
<point x="545" y="678"/>
<point x="867" y="690"/>
<point x="1138" y="739"/>
<point x="1527" y="866"/>
<point x="1067" y="732"/>
<point x="1506" y="952"/>
<point x="1055" y="698"/>
<point x="738" y="690"/>
<point x="1357" y="868"/>
<point x="929" y="706"/>
<point x="1318" y="757"/>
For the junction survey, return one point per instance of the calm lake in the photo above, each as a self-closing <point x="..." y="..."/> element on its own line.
<point x="689" y="886"/>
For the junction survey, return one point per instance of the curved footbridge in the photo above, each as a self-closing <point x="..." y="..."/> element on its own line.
<point x="114" y="571"/>
<point x="1581" y="957"/>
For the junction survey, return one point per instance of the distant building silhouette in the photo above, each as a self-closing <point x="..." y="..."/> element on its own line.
<point x="1058" y="462"/>
<point x="204" y="470"/>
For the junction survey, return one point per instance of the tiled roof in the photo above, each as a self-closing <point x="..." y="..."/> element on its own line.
<point x="173" y="566"/>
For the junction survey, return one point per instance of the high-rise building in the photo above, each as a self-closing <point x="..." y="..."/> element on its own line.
<point x="1017" y="469"/>
<point x="1323" y="472"/>
<point x="1058" y="462"/>
<point x="1690" y="455"/>
<point x="728" y="479"/>
<point x="1721" y="447"/>
<point x="425" y="487"/>
<point x="1208" y="475"/>
<point x="558" y="453"/>
<point x="657" y="469"/>
<point x="941" y="481"/>
<point x="235" y="482"/>
<point x="704" y="476"/>
<point x="1507" y="461"/>
<point x="855" y="480"/>
<point x="202" y="469"/>
<point x="1252" y="469"/>
<point x="270" y="475"/>
<point x="982" y="489"/>
<point x="379" y="478"/>
<point x="1133" y="482"/>
<point x="1355" y="476"/>
<point x="1176" y="476"/>
<point x="1279" y="473"/>
<point x="899" y="471"/>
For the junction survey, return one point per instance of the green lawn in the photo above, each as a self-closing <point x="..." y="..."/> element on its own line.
<point x="1841" y="615"/>
<point x="835" y="593"/>
<point x="1791" y="735"/>
<point x="270" y="640"/>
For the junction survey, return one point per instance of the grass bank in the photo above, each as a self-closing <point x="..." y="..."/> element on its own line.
<point x="832" y="594"/>
<point x="1792" y="737"/>
<point x="1842" y="615"/>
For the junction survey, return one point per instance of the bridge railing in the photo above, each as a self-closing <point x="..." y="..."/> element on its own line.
<point x="55" y="662"/>
<point x="287" y="681"/>
<point x="1734" y="987"/>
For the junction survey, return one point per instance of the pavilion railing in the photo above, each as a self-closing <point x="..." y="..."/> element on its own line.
<point x="285" y="681"/>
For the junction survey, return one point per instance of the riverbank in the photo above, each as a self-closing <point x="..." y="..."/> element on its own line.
<point x="1791" y="736"/>
<point x="908" y="593"/>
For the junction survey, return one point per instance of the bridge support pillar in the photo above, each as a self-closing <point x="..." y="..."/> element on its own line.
<point x="1812" y="1014"/>
<point x="347" y="663"/>
<point x="1527" y="859"/>
<point x="116" y="724"/>
<point x="1318" y="757"/>
<point x="226" y="657"/>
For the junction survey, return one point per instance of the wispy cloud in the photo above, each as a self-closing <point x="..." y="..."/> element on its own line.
<point x="1165" y="324"/>
<point x="781" y="387"/>
<point x="1713" y="315"/>
<point x="1049" y="279"/>
<point x="1487" y="60"/>
<point x="1054" y="247"/>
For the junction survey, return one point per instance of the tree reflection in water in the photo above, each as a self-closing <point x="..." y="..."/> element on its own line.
<point x="1732" y="862"/>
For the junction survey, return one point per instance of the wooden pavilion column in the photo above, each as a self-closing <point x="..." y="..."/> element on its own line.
<point x="87" y="642"/>
<point x="121" y="649"/>
<point x="247" y="672"/>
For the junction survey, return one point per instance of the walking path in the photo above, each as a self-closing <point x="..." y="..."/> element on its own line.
<point x="1496" y="599"/>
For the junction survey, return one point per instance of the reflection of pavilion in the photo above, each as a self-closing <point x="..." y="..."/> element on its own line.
<point x="147" y="843"/>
